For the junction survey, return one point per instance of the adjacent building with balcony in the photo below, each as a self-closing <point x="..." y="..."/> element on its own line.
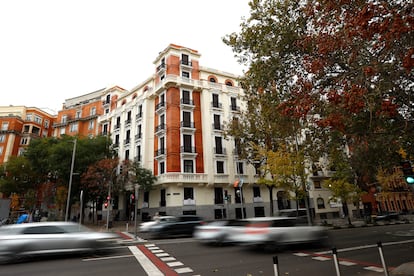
<point x="85" y="115"/>
<point x="19" y="125"/>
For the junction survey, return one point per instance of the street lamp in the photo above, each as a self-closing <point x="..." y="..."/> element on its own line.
<point x="70" y="180"/>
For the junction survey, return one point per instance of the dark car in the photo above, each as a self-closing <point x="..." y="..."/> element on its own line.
<point x="180" y="226"/>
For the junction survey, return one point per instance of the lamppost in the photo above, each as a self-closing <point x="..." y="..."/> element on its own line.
<point x="70" y="180"/>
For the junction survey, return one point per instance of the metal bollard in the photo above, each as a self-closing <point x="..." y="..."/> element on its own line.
<point x="334" y="253"/>
<point x="275" y="265"/>
<point x="384" y="266"/>
<point x="127" y="227"/>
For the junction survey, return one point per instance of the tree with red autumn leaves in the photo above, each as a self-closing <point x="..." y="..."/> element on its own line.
<point x="340" y="72"/>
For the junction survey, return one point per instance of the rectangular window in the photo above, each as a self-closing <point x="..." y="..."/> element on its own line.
<point x="256" y="191"/>
<point x="117" y="139"/>
<point x="64" y="119"/>
<point x="219" y="145"/>
<point x="216" y="102"/>
<point x="187" y="140"/>
<point x="240" y="168"/>
<point x="73" y="127"/>
<point x="93" y="111"/>
<point x="217" y="121"/>
<point x="139" y="153"/>
<point x="162" y="167"/>
<point x="2" y="138"/>
<point x="127" y="155"/>
<point x="38" y="119"/>
<point x="78" y="114"/>
<point x="5" y="126"/>
<point x="105" y="129"/>
<point x="184" y="59"/>
<point x="163" y="201"/>
<point x="24" y="141"/>
<point x="233" y="105"/>
<point x="91" y="124"/>
<point x="188" y="193"/>
<point x="29" y="117"/>
<point x="186" y="119"/>
<point x="46" y="124"/>
<point x="1" y="150"/>
<point x="36" y="130"/>
<point x="185" y="74"/>
<point x="62" y="130"/>
<point x="188" y="166"/>
<point x="220" y="166"/>
<point x="186" y="97"/>
<point x="129" y="116"/>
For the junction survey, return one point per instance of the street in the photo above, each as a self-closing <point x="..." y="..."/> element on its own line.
<point x="358" y="254"/>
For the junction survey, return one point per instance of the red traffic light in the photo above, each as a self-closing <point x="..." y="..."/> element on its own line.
<point x="106" y="204"/>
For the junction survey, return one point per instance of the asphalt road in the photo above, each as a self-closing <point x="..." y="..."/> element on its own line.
<point x="357" y="253"/>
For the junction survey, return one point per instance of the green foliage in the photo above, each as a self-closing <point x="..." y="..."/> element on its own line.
<point x="141" y="176"/>
<point x="341" y="73"/>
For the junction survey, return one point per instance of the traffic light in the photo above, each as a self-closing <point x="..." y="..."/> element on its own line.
<point x="408" y="173"/>
<point x="106" y="204"/>
<point x="131" y="198"/>
<point x="226" y="195"/>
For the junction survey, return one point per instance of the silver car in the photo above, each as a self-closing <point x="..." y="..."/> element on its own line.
<point x="45" y="238"/>
<point x="218" y="232"/>
<point x="274" y="232"/>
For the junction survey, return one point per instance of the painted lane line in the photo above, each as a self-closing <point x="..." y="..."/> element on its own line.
<point x="347" y="263"/>
<point x="300" y="254"/>
<point x="184" y="270"/>
<point x="321" y="258"/>
<point x="168" y="259"/>
<point x="374" y="268"/>
<point x="156" y="251"/>
<point x="146" y="264"/>
<point x="173" y="264"/>
<point x="162" y="254"/>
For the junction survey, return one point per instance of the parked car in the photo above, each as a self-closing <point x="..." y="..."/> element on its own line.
<point x="218" y="232"/>
<point x="146" y="226"/>
<point x="273" y="232"/>
<point x="50" y="238"/>
<point x="179" y="226"/>
<point x="388" y="217"/>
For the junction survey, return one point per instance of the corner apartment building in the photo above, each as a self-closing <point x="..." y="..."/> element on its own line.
<point x="172" y="123"/>
<point x="19" y="125"/>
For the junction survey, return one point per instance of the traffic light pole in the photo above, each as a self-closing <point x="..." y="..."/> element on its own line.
<point x="136" y="210"/>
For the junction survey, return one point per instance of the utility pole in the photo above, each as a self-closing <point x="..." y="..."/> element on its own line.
<point x="70" y="180"/>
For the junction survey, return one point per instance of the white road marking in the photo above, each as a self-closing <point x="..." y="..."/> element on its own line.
<point x="146" y="263"/>
<point x="184" y="270"/>
<point x="172" y="264"/>
<point x="374" y="268"/>
<point x="321" y="258"/>
<point x="346" y="263"/>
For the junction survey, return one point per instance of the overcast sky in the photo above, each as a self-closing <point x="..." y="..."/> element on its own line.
<point x="52" y="50"/>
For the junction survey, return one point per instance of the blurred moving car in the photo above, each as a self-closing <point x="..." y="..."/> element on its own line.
<point x="146" y="226"/>
<point x="179" y="226"/>
<point x="273" y="232"/>
<point x="46" y="238"/>
<point x="218" y="232"/>
<point x="388" y="217"/>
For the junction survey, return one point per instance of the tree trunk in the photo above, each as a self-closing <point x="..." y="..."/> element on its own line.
<point x="270" y="188"/>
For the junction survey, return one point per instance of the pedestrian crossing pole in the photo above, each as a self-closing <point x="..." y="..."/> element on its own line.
<point x="334" y="253"/>
<point x="276" y="265"/>
<point x="382" y="258"/>
<point x="136" y="210"/>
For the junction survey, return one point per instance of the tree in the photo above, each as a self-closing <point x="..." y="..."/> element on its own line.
<point x="340" y="71"/>
<point x="136" y="174"/>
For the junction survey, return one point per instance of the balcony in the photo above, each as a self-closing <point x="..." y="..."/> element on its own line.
<point x="188" y="151"/>
<point x="138" y="116"/>
<point x="187" y="127"/>
<point x="161" y="69"/>
<point x="218" y="127"/>
<point x="182" y="178"/>
<point x="138" y="137"/>
<point x="117" y="126"/>
<point x="127" y="141"/>
<point x="160" y="107"/>
<point x="187" y="104"/>
<point x="189" y="201"/>
<point x="128" y="122"/>
<point x="234" y="108"/>
<point x="216" y="105"/>
<point x="160" y="129"/>
<point x="220" y="151"/>
<point x="160" y="153"/>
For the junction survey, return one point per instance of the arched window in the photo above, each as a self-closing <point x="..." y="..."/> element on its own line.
<point x="321" y="203"/>
<point x="212" y="78"/>
<point x="229" y="83"/>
